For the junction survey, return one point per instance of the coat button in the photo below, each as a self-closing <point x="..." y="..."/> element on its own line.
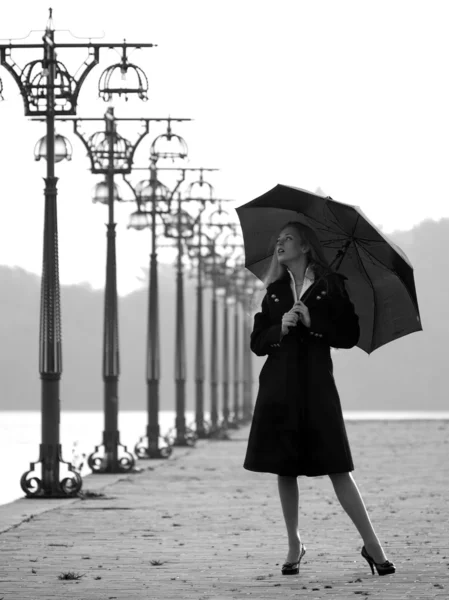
<point x="276" y="299"/>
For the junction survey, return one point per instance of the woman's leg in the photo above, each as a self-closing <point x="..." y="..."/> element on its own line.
<point x="351" y="500"/>
<point x="289" y="495"/>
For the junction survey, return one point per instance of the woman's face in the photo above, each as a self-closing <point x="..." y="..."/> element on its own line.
<point x="289" y="247"/>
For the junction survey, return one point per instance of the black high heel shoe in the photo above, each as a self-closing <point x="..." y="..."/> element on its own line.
<point x="385" y="568"/>
<point x="289" y="568"/>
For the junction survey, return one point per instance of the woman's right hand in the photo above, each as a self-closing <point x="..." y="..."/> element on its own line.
<point x="289" y="319"/>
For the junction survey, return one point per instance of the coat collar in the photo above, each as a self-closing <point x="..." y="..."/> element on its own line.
<point x="283" y="286"/>
<point x="309" y="278"/>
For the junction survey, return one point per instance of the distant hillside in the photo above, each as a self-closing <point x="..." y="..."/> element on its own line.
<point x="82" y="331"/>
<point x="406" y="374"/>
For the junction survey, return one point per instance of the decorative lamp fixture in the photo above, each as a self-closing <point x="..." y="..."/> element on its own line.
<point x="186" y="229"/>
<point x="168" y="145"/>
<point x="138" y="220"/>
<point x="201" y="190"/>
<point x="99" y="148"/>
<point x="150" y="189"/>
<point x="101" y="193"/>
<point x="123" y="78"/>
<point x="63" y="148"/>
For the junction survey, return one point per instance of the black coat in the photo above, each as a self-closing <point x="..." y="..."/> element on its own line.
<point x="297" y="426"/>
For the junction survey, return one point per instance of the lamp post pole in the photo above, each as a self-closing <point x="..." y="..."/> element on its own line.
<point x="153" y="350"/>
<point x="180" y="342"/>
<point x="200" y="370"/>
<point x="249" y="289"/>
<point x="226" y="411"/>
<point x="148" y="445"/>
<point x="237" y="364"/>
<point x="184" y="230"/>
<point x="50" y="347"/>
<point x="111" y="463"/>
<point x="49" y="91"/>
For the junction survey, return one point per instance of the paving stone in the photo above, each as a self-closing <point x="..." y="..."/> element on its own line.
<point x="200" y="527"/>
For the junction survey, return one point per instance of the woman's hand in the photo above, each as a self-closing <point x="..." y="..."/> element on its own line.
<point x="289" y="319"/>
<point x="299" y="312"/>
<point x="303" y="312"/>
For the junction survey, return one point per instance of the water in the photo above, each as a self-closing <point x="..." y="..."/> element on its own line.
<point x="81" y="431"/>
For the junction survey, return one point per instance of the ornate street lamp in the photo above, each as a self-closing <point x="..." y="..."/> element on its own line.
<point x="219" y="225"/>
<point x="159" y="196"/>
<point x="48" y="90"/>
<point x="248" y="285"/>
<point x="198" y="247"/>
<point x="180" y="229"/>
<point x="110" y="154"/>
<point x="152" y="191"/>
<point x="236" y="364"/>
<point x="233" y="249"/>
<point x="230" y="246"/>
<point x="186" y="231"/>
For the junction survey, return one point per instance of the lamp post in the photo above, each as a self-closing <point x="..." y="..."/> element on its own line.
<point x="249" y="286"/>
<point x="48" y="90"/>
<point x="195" y="248"/>
<point x="236" y="365"/>
<point x="112" y="154"/>
<point x="154" y="192"/>
<point x="231" y="248"/>
<point x="182" y="229"/>
<point x="200" y="249"/>
<point x="218" y="224"/>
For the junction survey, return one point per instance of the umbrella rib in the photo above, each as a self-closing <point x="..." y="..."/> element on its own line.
<point x="398" y="275"/>
<point x="322" y="226"/>
<point x="337" y="222"/>
<point x="372" y="287"/>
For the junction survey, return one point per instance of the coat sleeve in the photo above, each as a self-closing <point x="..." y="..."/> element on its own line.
<point x="266" y="335"/>
<point x="335" y="320"/>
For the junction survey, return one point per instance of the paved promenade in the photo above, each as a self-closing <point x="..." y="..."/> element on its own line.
<point x="199" y="527"/>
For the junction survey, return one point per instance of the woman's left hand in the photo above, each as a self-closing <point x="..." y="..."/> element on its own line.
<point x="303" y="313"/>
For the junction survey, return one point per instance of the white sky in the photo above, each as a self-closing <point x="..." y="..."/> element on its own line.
<point x="350" y="96"/>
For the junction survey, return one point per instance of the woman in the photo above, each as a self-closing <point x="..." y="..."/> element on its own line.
<point x="297" y="427"/>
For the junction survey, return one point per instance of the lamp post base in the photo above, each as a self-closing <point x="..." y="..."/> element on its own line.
<point x="234" y="423"/>
<point x="148" y="447"/>
<point x="48" y="485"/>
<point x="201" y="428"/>
<point x="219" y="432"/>
<point x="184" y="437"/>
<point x="109" y="461"/>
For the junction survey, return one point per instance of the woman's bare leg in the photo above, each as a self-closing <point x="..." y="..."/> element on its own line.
<point x="351" y="500"/>
<point x="289" y="495"/>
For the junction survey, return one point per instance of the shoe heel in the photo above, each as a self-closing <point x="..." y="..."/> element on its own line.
<point x="369" y="562"/>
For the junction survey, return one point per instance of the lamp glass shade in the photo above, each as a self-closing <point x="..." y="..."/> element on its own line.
<point x="138" y="220"/>
<point x="63" y="148"/>
<point x="101" y="193"/>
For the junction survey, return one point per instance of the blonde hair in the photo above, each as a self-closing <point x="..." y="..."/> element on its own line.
<point x="315" y="256"/>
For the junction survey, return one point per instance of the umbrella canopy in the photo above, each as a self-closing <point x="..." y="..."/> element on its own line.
<point x="380" y="276"/>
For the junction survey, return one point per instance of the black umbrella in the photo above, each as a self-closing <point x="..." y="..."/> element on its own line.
<point x="380" y="276"/>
